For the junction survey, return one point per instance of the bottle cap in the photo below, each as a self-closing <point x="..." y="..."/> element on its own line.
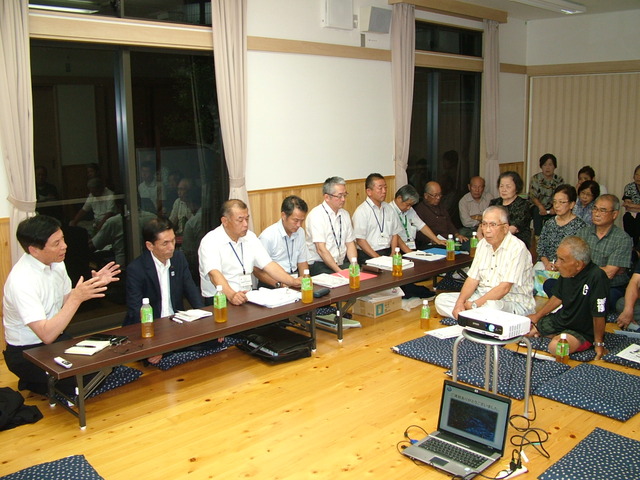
<point x="450" y="235"/>
<point x="306" y="271"/>
<point x="397" y="249"/>
<point x="425" y="302"/>
<point x="145" y="301"/>
<point x="474" y="233"/>
<point x="219" y="288"/>
<point x="354" y="260"/>
<point x="563" y="336"/>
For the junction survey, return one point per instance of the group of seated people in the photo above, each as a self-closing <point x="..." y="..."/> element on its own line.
<point x="592" y="260"/>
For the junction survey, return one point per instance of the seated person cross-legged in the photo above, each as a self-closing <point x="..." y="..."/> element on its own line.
<point x="501" y="275"/>
<point x="629" y="306"/>
<point x="581" y="292"/>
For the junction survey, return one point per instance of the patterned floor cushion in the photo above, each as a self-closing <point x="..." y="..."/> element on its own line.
<point x="596" y="389"/>
<point x="174" y="359"/>
<point x="593" y="458"/>
<point x="121" y="375"/>
<point x="74" y="467"/>
<point x="438" y="351"/>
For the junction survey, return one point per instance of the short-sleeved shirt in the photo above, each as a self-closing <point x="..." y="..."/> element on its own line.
<point x="584" y="212"/>
<point x="468" y="207"/>
<point x="233" y="259"/>
<point x="583" y="297"/>
<point x="519" y="216"/>
<point x="100" y="206"/>
<point x="552" y="234"/>
<point x="33" y="291"/>
<point x="613" y="249"/>
<point x="542" y="188"/>
<point x="376" y="225"/>
<point x="631" y="192"/>
<point x="286" y="250"/>
<point x="179" y="215"/>
<point x="510" y="262"/>
<point x="410" y="223"/>
<point x="333" y="229"/>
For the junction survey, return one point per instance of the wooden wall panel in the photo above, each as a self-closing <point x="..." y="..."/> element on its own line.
<point x="5" y="263"/>
<point x="514" y="167"/>
<point x="265" y="204"/>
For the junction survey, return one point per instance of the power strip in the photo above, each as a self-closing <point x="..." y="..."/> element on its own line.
<point x="513" y="474"/>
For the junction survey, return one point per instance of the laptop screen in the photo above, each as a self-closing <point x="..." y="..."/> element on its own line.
<point x="474" y="414"/>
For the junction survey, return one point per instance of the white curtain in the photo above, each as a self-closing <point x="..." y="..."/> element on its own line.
<point x="491" y="71"/>
<point x="403" y="34"/>
<point x="16" y="113"/>
<point x="229" y="20"/>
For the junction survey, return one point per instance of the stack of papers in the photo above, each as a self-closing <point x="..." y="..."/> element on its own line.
<point x="88" y="347"/>
<point x="273" y="297"/>
<point x="632" y="352"/>
<point x="420" y="255"/>
<point x="329" y="280"/>
<point x="191" y="315"/>
<point x="386" y="263"/>
<point x="446" y="332"/>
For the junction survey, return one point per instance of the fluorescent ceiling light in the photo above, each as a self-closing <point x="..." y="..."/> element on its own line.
<point x="53" y="8"/>
<point x="561" y="6"/>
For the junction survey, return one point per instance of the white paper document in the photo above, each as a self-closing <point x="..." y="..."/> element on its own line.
<point x="88" y="347"/>
<point x="632" y="352"/>
<point x="420" y="255"/>
<point x="446" y="332"/>
<point x="386" y="263"/>
<point x="191" y="315"/>
<point x="273" y="297"/>
<point x="329" y="281"/>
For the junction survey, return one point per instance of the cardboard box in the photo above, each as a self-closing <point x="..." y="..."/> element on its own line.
<point x="378" y="304"/>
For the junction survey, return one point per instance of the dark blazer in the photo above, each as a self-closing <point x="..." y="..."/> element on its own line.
<point x="142" y="281"/>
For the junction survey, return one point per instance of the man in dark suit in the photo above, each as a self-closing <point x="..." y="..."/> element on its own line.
<point x="160" y="274"/>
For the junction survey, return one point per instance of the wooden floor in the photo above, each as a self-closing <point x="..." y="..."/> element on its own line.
<point x="339" y="414"/>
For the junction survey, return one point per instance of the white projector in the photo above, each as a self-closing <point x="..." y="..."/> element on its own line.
<point x="494" y="323"/>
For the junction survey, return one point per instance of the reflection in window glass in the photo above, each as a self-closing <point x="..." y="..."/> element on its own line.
<point x="445" y="132"/>
<point x="433" y="37"/>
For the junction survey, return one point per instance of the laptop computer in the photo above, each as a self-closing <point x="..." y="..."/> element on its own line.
<point x="472" y="431"/>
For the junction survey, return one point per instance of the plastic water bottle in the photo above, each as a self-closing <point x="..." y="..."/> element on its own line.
<point x="306" y="287"/>
<point x="473" y="244"/>
<point x="396" y="269"/>
<point x="425" y="311"/>
<point x="354" y="274"/>
<point x="146" y="318"/>
<point x="451" y="248"/>
<point x="562" y="349"/>
<point x="220" y="314"/>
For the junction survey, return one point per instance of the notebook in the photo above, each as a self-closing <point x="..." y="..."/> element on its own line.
<point x="472" y="431"/>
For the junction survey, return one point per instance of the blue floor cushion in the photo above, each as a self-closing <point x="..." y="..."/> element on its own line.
<point x="600" y="455"/>
<point x="596" y="389"/>
<point x="121" y="375"/>
<point x="75" y="467"/>
<point x="173" y="359"/>
<point x="449" y="321"/>
<point x="612" y="317"/>
<point x="439" y="351"/>
<point x="511" y="372"/>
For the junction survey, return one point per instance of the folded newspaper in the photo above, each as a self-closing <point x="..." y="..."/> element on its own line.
<point x="386" y="263"/>
<point x="273" y="297"/>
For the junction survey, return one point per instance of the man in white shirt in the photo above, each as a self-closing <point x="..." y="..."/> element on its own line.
<point x="285" y="241"/>
<point x="406" y="197"/>
<point x="472" y="205"/>
<point x="375" y="224"/>
<point x="39" y="302"/>
<point x="229" y="253"/>
<point x="501" y="275"/>
<point x="100" y="201"/>
<point x="148" y="188"/>
<point x="330" y="237"/>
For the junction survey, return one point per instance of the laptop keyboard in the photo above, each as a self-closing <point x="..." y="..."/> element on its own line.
<point x="453" y="452"/>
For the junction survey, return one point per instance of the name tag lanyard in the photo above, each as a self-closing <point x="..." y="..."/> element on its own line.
<point x="338" y="240"/>
<point x="380" y="226"/>
<point x="291" y="269"/>
<point x="405" y="221"/>
<point x="239" y="259"/>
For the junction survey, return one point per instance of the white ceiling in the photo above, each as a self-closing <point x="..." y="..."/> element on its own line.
<point x="525" y="12"/>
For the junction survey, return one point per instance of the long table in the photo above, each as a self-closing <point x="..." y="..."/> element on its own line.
<point x="171" y="336"/>
<point x="344" y="297"/>
<point x="168" y="336"/>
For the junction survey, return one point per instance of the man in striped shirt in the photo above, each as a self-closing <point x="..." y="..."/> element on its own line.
<point x="501" y="275"/>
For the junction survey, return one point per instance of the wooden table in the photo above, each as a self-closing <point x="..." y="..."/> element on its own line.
<point x="344" y="297"/>
<point x="168" y="336"/>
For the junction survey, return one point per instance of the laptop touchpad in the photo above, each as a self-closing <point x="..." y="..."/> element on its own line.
<point x="437" y="461"/>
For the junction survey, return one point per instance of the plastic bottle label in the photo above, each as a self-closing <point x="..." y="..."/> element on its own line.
<point x="146" y="315"/>
<point x="425" y="312"/>
<point x="305" y="283"/>
<point x="562" y="349"/>
<point x="220" y="301"/>
<point x="354" y="270"/>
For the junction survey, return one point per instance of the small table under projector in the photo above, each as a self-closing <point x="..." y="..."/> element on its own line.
<point x="490" y="342"/>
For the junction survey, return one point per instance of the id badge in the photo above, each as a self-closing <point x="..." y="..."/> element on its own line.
<point x="246" y="282"/>
<point x="383" y="241"/>
<point x="411" y="244"/>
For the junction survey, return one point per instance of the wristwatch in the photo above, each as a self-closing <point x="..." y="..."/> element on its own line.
<point x="278" y="284"/>
<point x="474" y="305"/>
<point x="598" y="344"/>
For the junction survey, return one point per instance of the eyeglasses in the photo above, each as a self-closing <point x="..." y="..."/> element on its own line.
<point x="491" y="225"/>
<point x="435" y="195"/>
<point x="559" y="202"/>
<point x="601" y="210"/>
<point x="340" y="196"/>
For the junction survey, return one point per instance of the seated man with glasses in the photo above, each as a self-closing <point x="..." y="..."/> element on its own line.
<point x="435" y="215"/>
<point x="610" y="245"/>
<point x="501" y="275"/>
<point x="330" y="237"/>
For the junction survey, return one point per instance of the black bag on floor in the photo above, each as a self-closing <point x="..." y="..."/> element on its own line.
<point x="275" y="343"/>
<point x="14" y="412"/>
